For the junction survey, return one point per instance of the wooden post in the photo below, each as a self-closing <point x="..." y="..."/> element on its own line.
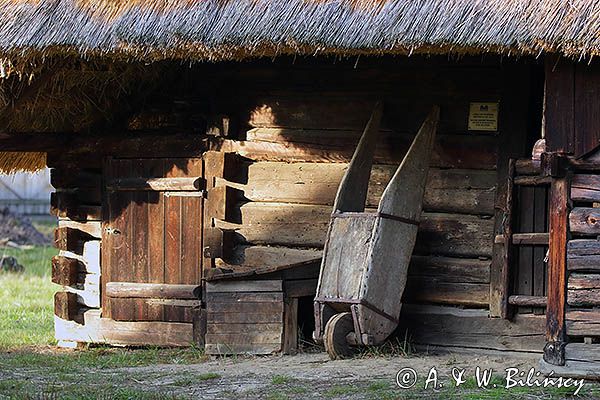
<point x="554" y="351"/>
<point x="503" y="290"/>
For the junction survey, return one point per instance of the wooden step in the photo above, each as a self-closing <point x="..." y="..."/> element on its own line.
<point x="528" y="301"/>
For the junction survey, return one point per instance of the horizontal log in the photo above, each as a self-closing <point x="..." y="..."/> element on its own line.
<point x="306" y="225"/>
<point x="65" y="270"/>
<point x="91" y="228"/>
<point x="151" y="290"/>
<point x="157" y="184"/>
<point x="585" y="221"/>
<point x="430" y="290"/>
<point x="103" y="330"/>
<point x="583" y="255"/>
<point x="450" y="151"/>
<point x="583" y="322"/>
<point x="583" y="289"/>
<point x="527" y="166"/>
<point x="452" y="327"/>
<point x="66" y="306"/>
<point x="585" y="188"/>
<point x="453" y="190"/>
<point x="449" y="269"/>
<point x="266" y="256"/>
<point x="528" y="301"/>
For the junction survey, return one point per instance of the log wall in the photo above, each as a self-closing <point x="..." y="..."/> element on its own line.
<point x="296" y="130"/>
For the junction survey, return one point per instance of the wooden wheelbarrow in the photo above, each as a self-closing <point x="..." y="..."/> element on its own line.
<point x="366" y="255"/>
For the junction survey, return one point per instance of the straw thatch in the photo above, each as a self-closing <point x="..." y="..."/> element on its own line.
<point x="11" y="162"/>
<point x="236" y="29"/>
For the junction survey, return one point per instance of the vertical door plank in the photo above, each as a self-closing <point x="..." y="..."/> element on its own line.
<point x="539" y="252"/>
<point x="173" y="233"/>
<point x="524" y="282"/>
<point x="122" y="242"/>
<point x="139" y="236"/>
<point x="156" y="237"/>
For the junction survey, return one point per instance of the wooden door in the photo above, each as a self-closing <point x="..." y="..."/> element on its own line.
<point x="151" y="239"/>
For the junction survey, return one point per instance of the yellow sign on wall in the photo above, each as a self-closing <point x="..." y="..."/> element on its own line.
<point x="483" y="117"/>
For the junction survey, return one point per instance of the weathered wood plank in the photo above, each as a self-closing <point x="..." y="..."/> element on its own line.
<point x="455" y="327"/>
<point x="450" y="269"/>
<point x="301" y="287"/>
<point x="146" y="333"/>
<point x="225" y="328"/>
<point x="244" y="286"/>
<point x="243" y="307"/>
<point x="290" y="326"/>
<point x="266" y="256"/>
<point x="222" y="349"/>
<point x="585" y="221"/>
<point x="432" y="290"/>
<point x="152" y="290"/>
<point x="249" y="337"/>
<point x="244" y="297"/>
<point x="244" y="318"/>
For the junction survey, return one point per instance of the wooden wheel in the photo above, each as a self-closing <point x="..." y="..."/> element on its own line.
<point x="334" y="338"/>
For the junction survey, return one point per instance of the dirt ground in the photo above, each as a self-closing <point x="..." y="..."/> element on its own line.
<point x="304" y="376"/>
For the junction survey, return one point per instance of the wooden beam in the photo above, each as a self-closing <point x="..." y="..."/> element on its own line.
<point x="64" y="270"/>
<point x="151" y="290"/>
<point x="557" y="272"/>
<point x="66" y="306"/>
<point x="157" y="184"/>
<point x="585" y="187"/>
<point x="583" y="255"/>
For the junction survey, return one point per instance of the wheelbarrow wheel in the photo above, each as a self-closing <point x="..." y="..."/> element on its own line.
<point x="334" y="338"/>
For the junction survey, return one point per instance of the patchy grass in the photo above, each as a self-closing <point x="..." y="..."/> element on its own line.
<point x="281" y="379"/>
<point x="27" y="310"/>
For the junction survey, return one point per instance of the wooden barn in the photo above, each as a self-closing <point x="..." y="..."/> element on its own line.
<point x="196" y="149"/>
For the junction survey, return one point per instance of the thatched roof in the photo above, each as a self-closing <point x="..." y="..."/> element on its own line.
<point x="235" y="29"/>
